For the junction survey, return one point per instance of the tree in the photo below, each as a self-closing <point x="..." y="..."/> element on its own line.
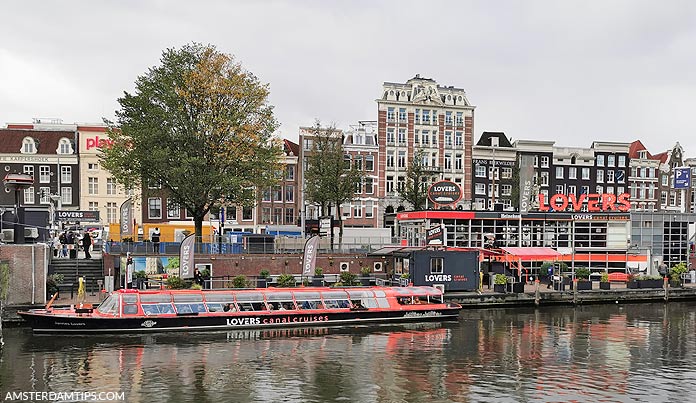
<point x="200" y="127"/>
<point x="415" y="189"/>
<point x="330" y="178"/>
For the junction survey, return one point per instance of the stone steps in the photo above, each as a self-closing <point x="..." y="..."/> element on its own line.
<point x="92" y="270"/>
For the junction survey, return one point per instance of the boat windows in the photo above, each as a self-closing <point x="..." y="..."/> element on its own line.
<point x="382" y="301"/>
<point x="220" y="306"/>
<point x="308" y="300"/>
<point x="147" y="298"/>
<point x="130" y="304"/>
<point x="219" y="297"/>
<point x="335" y="300"/>
<point x="190" y="308"/>
<point x="109" y="306"/>
<point x="280" y="301"/>
<point x="365" y="299"/>
<point x="251" y="306"/>
<point x="157" y="309"/>
<point x="188" y="298"/>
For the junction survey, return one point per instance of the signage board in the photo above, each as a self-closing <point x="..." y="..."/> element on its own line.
<point x="595" y="202"/>
<point x="435" y="235"/>
<point x="444" y="192"/>
<point x="682" y="178"/>
<point x="77" y="215"/>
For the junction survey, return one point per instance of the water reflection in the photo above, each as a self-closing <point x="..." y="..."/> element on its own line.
<point x="589" y="353"/>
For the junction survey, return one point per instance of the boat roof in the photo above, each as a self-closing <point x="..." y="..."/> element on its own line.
<point x="396" y="291"/>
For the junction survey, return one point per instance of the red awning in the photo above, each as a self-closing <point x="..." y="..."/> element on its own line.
<point x="533" y="253"/>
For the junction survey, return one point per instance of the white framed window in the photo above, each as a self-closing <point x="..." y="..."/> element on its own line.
<point x="460" y="119"/>
<point x="544" y="161"/>
<point x="458" y="138"/>
<point x="369" y="185"/>
<point x="65" y="146"/>
<point x="572" y="173"/>
<point x="289" y="172"/>
<point x="586" y="173"/>
<point x="357" y="210"/>
<point x="111" y="212"/>
<point x="111" y="188"/>
<point x="369" y="209"/>
<point x="402" y="114"/>
<point x="92" y="166"/>
<point x="65" y="174"/>
<point x="437" y="265"/>
<point x="173" y="209"/>
<point x="154" y="207"/>
<point x="559" y="172"/>
<point x="506" y="190"/>
<point x="45" y="195"/>
<point x="390" y="184"/>
<point x="66" y="195"/>
<point x="600" y="160"/>
<point x="506" y="173"/>
<point x="560" y="189"/>
<point x="448" y="138"/>
<point x="390" y="114"/>
<point x="93" y="206"/>
<point x="29" y="170"/>
<point x="44" y="174"/>
<point x="92" y="186"/>
<point x="289" y="193"/>
<point x="28" y="146"/>
<point x="370" y="163"/>
<point x="600" y="176"/>
<point x="599" y="189"/>
<point x="247" y="213"/>
<point x="480" y="204"/>
<point x="480" y="171"/>
<point x="544" y="179"/>
<point x="572" y="189"/>
<point x="611" y="160"/>
<point x="458" y="161"/>
<point x="621" y="161"/>
<point x="402" y="136"/>
<point x="610" y="176"/>
<point x="584" y="189"/>
<point x="480" y="189"/>
<point x="402" y="159"/>
<point x="390" y="135"/>
<point x="390" y="159"/>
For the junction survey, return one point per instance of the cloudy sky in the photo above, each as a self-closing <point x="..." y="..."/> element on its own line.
<point x="569" y="71"/>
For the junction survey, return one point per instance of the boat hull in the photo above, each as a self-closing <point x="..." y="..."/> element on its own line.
<point x="42" y="322"/>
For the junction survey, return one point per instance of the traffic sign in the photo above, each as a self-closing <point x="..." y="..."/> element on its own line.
<point x="682" y="178"/>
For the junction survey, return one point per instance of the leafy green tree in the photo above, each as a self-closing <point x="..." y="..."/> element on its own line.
<point x="200" y="127"/>
<point x="330" y="178"/>
<point x="415" y="189"/>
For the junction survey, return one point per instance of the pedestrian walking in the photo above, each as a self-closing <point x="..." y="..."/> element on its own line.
<point x="550" y="276"/>
<point x="86" y="244"/>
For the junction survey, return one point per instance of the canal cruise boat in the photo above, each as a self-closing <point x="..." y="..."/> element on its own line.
<point x="167" y="310"/>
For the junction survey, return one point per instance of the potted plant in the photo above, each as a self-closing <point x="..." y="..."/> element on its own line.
<point x="631" y="282"/>
<point x="52" y="282"/>
<point x="582" y="274"/>
<point x="286" y="280"/>
<point x="241" y="282"/>
<point x="650" y="282"/>
<point x="365" y="276"/>
<point x="604" y="283"/>
<point x="676" y="275"/>
<point x="499" y="283"/>
<point x="262" y="281"/>
<point x="318" y="279"/>
<point x="348" y="279"/>
<point x="516" y="287"/>
<point x="176" y="283"/>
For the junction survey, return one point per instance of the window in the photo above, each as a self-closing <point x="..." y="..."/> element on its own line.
<point x="448" y="161"/>
<point x="426" y="117"/>
<point x="390" y="184"/>
<point x="610" y="189"/>
<point x="110" y="186"/>
<point x="586" y="173"/>
<point x="493" y="173"/>
<point x="448" y="118"/>
<point x="29" y="170"/>
<point x="111" y="212"/>
<point x="610" y="160"/>
<point x="369" y="185"/>
<point x="560" y="189"/>
<point x="45" y="194"/>
<point x="154" y="184"/>
<point x="64" y="146"/>
<point x="289" y="173"/>
<point x="600" y="189"/>
<point x="92" y="186"/>
<point x="402" y="114"/>
<point x="308" y="144"/>
<point x="460" y="119"/>
<point x="426" y="137"/>
<point x="369" y="209"/>
<point x="247" y="213"/>
<point x="584" y="189"/>
<point x="369" y="163"/>
<point x="610" y="176"/>
<point x="266" y="215"/>
<point x="458" y="162"/>
<point x="29" y="195"/>
<point x="65" y="174"/>
<point x="347" y="161"/>
<point x="93" y="206"/>
<point x="416" y="137"/>
<point x="277" y="216"/>
<point x="390" y="159"/>
<point x="400" y="182"/>
<point x="154" y="209"/>
<point x="436" y="265"/>
<point x="390" y="135"/>
<point x="345" y="210"/>
<point x="173" y="209"/>
<point x="416" y="116"/>
<point x="559" y="172"/>
<point x="572" y="173"/>
<point x="402" y="136"/>
<point x="480" y="189"/>
<point x="289" y="215"/>
<point x="663" y="198"/>
<point x="544" y="161"/>
<point x="600" y="160"/>
<point x="289" y="193"/>
<point x="92" y="166"/>
<point x="600" y="176"/>
<point x="544" y="179"/>
<point x="572" y="189"/>
<point x="44" y="174"/>
<point x="506" y="173"/>
<point x="358" y="162"/>
<point x="278" y="193"/>
<point x="506" y="190"/>
<point x="390" y="114"/>
<point x="28" y="147"/>
<point x="622" y="161"/>
<point x="664" y="180"/>
<point x="66" y="195"/>
<point x="448" y="138"/>
<point x="402" y="159"/>
<point x="357" y="210"/>
<point x="458" y="138"/>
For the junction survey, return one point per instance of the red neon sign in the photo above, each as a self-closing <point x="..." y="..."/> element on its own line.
<point x="595" y="202"/>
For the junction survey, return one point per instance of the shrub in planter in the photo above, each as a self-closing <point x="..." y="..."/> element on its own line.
<point x="175" y="283"/>
<point x="262" y="281"/>
<point x="582" y="274"/>
<point x="676" y="273"/>
<point x="286" y="280"/>
<point x="318" y="279"/>
<point x="631" y="282"/>
<point x="241" y="282"/>
<point x="604" y="283"/>
<point x="52" y="282"/>
<point x="650" y="282"/>
<point x="365" y="275"/>
<point x="348" y="278"/>
<point x="500" y="283"/>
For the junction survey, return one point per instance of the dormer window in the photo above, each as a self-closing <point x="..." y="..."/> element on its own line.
<point x="28" y="146"/>
<point x="643" y="154"/>
<point x="65" y="146"/>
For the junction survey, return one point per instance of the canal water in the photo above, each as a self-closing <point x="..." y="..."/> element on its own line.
<point x="610" y="353"/>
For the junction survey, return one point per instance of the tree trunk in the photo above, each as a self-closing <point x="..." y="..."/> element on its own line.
<point x="198" y="222"/>
<point x="340" y="230"/>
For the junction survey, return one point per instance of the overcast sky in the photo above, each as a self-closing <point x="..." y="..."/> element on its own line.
<point x="569" y="71"/>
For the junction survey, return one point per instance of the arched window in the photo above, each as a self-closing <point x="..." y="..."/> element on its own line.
<point x="28" y="146"/>
<point x="64" y="146"/>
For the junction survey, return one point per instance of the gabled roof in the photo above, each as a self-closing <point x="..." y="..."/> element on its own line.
<point x="11" y="139"/>
<point x="662" y="157"/>
<point x="486" y="137"/>
<point x="291" y="147"/>
<point x="635" y="148"/>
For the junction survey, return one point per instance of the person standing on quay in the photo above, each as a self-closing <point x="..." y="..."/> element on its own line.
<point x="155" y="240"/>
<point x="86" y="244"/>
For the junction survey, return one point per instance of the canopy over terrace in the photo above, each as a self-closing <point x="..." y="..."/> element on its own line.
<point x="516" y="255"/>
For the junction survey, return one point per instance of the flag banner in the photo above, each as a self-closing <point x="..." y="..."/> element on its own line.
<point x="310" y="255"/>
<point x="435" y="235"/>
<point x="526" y="182"/>
<point x="186" y="256"/>
<point x="127" y="218"/>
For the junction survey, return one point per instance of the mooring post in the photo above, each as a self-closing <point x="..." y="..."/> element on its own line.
<point x="665" y="285"/>
<point x="575" y="291"/>
<point x="537" y="297"/>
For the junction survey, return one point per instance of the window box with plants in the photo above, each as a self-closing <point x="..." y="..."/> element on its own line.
<point x="365" y="276"/>
<point x="604" y="283"/>
<point x="650" y="282"/>
<point x="318" y="279"/>
<point x="500" y="283"/>
<point x="582" y="274"/>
